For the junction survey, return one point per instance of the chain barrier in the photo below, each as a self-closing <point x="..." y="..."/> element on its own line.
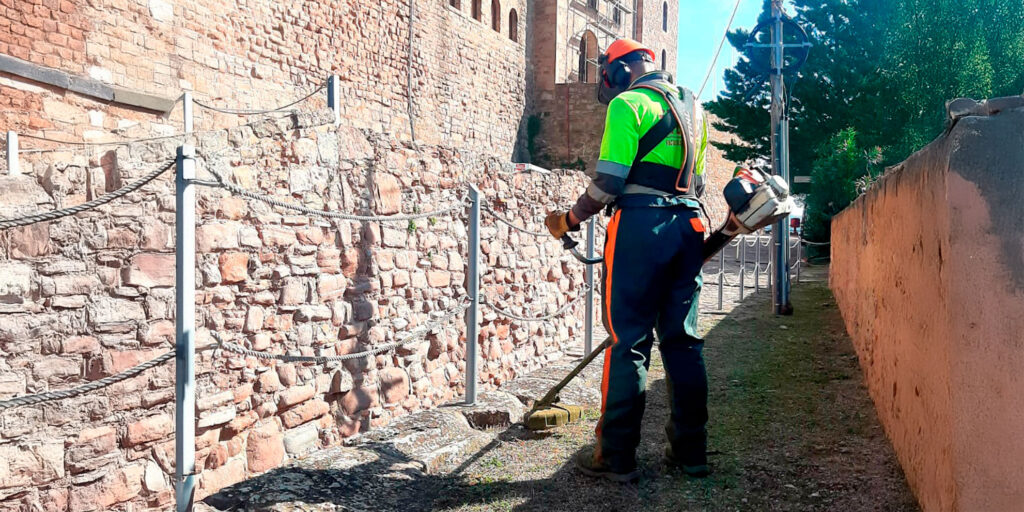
<point x="51" y="396"/>
<point x="254" y="112"/>
<point x="95" y="203"/>
<point x="234" y="189"/>
<point x="413" y="335"/>
<point x="561" y="311"/>
<point x="512" y="225"/>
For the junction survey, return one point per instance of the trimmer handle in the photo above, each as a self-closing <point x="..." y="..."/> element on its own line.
<point x="571" y="245"/>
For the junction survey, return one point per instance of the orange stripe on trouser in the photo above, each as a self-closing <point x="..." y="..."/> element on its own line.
<point x="609" y="259"/>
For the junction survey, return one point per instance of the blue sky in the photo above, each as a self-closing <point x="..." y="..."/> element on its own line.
<point x="701" y="24"/>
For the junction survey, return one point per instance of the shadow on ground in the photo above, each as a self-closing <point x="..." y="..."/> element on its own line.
<point x="792" y="425"/>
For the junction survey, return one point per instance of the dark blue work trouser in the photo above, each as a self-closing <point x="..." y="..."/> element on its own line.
<point x="652" y="283"/>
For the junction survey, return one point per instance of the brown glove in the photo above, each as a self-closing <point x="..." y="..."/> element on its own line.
<point x="558" y="224"/>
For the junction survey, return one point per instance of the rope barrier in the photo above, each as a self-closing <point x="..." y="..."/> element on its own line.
<point x="95" y="203"/>
<point x="234" y="189"/>
<point x="413" y="335"/>
<point x="510" y="224"/>
<point x="805" y="242"/>
<point x="512" y="316"/>
<point x="51" y="396"/>
<point x="93" y="144"/>
<point x="252" y="112"/>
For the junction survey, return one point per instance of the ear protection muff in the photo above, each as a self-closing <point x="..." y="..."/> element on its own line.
<point x="616" y="74"/>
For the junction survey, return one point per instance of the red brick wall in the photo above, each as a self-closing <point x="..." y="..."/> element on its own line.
<point x="468" y="81"/>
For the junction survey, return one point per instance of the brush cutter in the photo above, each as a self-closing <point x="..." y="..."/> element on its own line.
<point x="754" y="200"/>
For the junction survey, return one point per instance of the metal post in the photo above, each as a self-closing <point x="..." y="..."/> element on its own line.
<point x="185" y="312"/>
<point x="743" y="265"/>
<point x="333" y="97"/>
<point x="780" y="148"/>
<point x="799" y="257"/>
<point x="12" y="154"/>
<point x="721" y="278"/>
<point x="757" y="262"/>
<point x="588" y="339"/>
<point x="473" y="288"/>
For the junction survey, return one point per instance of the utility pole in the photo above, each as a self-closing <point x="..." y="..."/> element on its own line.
<point x="780" y="163"/>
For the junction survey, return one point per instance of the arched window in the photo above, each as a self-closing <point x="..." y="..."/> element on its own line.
<point x="478" y="12"/>
<point x="588" y="58"/>
<point x="664" y="61"/>
<point x="664" y="17"/>
<point x="496" y="15"/>
<point x="454" y="3"/>
<point x="513" y="26"/>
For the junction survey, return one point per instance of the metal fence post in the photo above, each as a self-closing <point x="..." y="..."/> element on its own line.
<point x="12" y="154"/>
<point x="743" y="265"/>
<point x="757" y="263"/>
<point x="334" y="97"/>
<point x="799" y="258"/>
<point x="185" y="312"/>
<point x="473" y="288"/>
<point x="721" y="278"/>
<point x="588" y="338"/>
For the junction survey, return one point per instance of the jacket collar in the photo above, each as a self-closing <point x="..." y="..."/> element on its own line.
<point x="652" y="76"/>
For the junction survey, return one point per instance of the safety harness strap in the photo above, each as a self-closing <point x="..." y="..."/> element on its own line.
<point x="662" y="177"/>
<point x="658" y="133"/>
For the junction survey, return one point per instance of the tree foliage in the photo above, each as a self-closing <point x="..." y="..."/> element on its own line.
<point x="883" y="69"/>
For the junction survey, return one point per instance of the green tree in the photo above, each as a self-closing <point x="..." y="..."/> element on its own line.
<point x="841" y="172"/>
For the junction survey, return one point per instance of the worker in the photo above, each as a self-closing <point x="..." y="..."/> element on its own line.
<point x="650" y="176"/>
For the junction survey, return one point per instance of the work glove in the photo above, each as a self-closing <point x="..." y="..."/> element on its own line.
<point x="558" y="224"/>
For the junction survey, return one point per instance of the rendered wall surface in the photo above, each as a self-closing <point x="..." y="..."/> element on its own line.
<point x="928" y="270"/>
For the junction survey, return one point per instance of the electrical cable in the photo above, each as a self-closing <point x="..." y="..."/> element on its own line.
<point x="721" y="45"/>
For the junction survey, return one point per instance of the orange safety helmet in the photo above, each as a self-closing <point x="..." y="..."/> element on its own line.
<point x="625" y="46"/>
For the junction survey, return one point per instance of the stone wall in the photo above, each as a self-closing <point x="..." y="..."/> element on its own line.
<point x="90" y="295"/>
<point x="654" y="34"/>
<point x="928" y="270"/>
<point x="468" y="81"/>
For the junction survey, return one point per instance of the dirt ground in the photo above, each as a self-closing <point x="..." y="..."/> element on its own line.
<point x="792" y="429"/>
<point x="791" y="423"/>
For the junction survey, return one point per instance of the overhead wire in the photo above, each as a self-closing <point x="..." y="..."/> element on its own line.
<point x="721" y="45"/>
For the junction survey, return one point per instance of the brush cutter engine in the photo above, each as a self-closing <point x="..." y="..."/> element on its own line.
<point x="755" y="201"/>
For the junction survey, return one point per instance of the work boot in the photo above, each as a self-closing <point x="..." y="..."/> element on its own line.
<point x="696" y="468"/>
<point x="589" y="466"/>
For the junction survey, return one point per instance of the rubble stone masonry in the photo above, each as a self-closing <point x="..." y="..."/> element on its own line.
<point x="90" y="295"/>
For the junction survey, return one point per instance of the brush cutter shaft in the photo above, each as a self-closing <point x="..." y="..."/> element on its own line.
<point x="551" y="395"/>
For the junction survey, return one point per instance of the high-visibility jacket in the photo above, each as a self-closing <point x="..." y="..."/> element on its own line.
<point x="631" y="115"/>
